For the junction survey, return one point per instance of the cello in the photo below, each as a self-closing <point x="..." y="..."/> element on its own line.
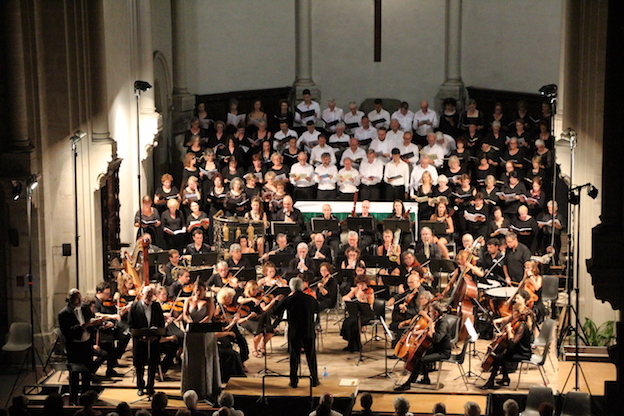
<point x="465" y="291"/>
<point x="500" y="343"/>
<point x="411" y="339"/>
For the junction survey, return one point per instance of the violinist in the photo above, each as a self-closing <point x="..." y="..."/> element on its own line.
<point x="221" y="278"/>
<point x="350" y="330"/>
<point x="230" y="313"/>
<point x="171" y="343"/>
<point x="181" y="288"/>
<point x="408" y="266"/>
<point x="406" y="305"/>
<point x="517" y="333"/>
<point x="439" y="330"/>
<point x="270" y="279"/>
<point x="197" y="246"/>
<point x="126" y="293"/>
<point x="236" y="260"/>
<point x="116" y="329"/>
<point x="259" y="322"/>
<point x="302" y="262"/>
<point x="326" y="288"/>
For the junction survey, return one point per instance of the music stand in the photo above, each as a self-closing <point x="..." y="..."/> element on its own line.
<point x="204" y="327"/>
<point x="363" y="312"/>
<point x="395" y="224"/>
<point x="244" y="275"/>
<point x="158" y="258"/>
<point x="281" y="260"/>
<point x="379" y="262"/>
<point x="473" y="337"/>
<point x="290" y="229"/>
<point x="387" y="334"/>
<point x="437" y="228"/>
<point x="205" y="259"/>
<point x="381" y="292"/>
<point x="361" y="224"/>
<point x="442" y="265"/>
<point x="253" y="258"/>
<point x="345" y="275"/>
<point x="321" y="224"/>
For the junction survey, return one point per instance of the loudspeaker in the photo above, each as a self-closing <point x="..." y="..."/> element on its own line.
<point x="66" y="250"/>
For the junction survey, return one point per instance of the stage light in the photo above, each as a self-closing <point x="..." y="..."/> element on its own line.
<point x="592" y="191"/>
<point x="142" y="86"/>
<point x="17" y="189"/>
<point x="549" y="90"/>
<point x="32" y="182"/>
<point x="78" y="135"/>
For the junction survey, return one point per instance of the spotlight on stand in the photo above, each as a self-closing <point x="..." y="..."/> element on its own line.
<point x="32" y="182"/>
<point x="141" y="86"/>
<point x="17" y="189"/>
<point x="592" y="191"/>
<point x="549" y="91"/>
<point x="77" y="137"/>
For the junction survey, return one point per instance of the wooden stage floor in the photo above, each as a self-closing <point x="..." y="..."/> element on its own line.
<point x="347" y="378"/>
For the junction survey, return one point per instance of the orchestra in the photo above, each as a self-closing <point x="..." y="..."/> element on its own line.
<point x="238" y="222"/>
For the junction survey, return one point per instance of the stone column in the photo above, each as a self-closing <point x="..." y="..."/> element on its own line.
<point x="17" y="23"/>
<point x="303" y="39"/>
<point x="97" y="85"/>
<point x="453" y="85"/>
<point x="183" y="101"/>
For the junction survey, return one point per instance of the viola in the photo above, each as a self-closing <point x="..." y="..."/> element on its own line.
<point x="108" y="303"/>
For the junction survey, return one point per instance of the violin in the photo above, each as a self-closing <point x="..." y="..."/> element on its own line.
<point x="309" y="291"/>
<point x="231" y="279"/>
<point x="109" y="303"/>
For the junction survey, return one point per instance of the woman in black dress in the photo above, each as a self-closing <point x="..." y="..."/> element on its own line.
<point x="236" y="202"/>
<point x="147" y="219"/>
<point x="165" y="192"/>
<point x="350" y="330"/>
<point x="216" y="196"/>
<point x="231" y="171"/>
<point x="471" y="115"/>
<point x="259" y="324"/>
<point x="190" y="168"/>
<point x="173" y="225"/>
<point x="498" y="226"/>
<point x="327" y="287"/>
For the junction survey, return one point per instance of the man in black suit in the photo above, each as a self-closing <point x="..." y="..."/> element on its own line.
<point x="146" y="314"/>
<point x="302" y="262"/>
<point x="76" y="322"/>
<point x="301" y="310"/>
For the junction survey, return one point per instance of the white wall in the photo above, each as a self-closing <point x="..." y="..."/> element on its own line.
<point x="239" y="45"/>
<point x="511" y="45"/>
<point x="161" y="29"/>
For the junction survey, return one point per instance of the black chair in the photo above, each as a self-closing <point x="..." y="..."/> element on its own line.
<point x="456" y="359"/>
<point x="379" y="309"/>
<point x="576" y="403"/>
<point x="538" y="395"/>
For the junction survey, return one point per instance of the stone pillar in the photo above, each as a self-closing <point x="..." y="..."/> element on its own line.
<point x="303" y="39"/>
<point x="183" y="101"/>
<point x="97" y="84"/>
<point x="453" y="85"/>
<point x="18" y="21"/>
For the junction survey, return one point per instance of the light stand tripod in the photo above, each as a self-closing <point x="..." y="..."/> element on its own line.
<point x="575" y="201"/>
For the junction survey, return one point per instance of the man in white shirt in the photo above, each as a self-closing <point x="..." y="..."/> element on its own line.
<point x="382" y="146"/>
<point x="332" y="116"/>
<point x="396" y="175"/>
<point x="424" y="119"/>
<point x="379" y="117"/>
<point x="355" y="153"/>
<point x="302" y="178"/>
<point x="339" y="140"/>
<point x="353" y="119"/>
<point x="447" y="142"/>
<point x="433" y="150"/>
<point x="280" y="139"/>
<point x="326" y="176"/>
<point x="319" y="149"/>
<point x="366" y="133"/>
<point x="307" y="110"/>
<point x="404" y="116"/>
<point x="394" y="135"/>
<point x="371" y="171"/>
<point x="348" y="181"/>
<point x="409" y="151"/>
<point x="424" y="165"/>
<point x="309" y="138"/>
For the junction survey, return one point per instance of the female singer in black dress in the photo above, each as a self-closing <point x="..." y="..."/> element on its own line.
<point x="350" y="330"/>
<point x="216" y="196"/>
<point x="236" y="201"/>
<point x="165" y="192"/>
<point x="174" y="226"/>
<point x="498" y="226"/>
<point x="147" y="219"/>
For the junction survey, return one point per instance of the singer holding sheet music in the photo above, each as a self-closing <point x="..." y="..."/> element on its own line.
<point x="147" y="219"/>
<point x="200" y="358"/>
<point x="350" y="330"/>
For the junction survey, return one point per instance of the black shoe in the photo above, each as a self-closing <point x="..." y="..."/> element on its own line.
<point x="503" y="382"/>
<point x="316" y="383"/>
<point x="393" y="357"/>
<point x="151" y="392"/>
<point x="424" y="380"/>
<point x="489" y="386"/>
<point x="140" y="392"/>
<point x="112" y="373"/>
<point x="403" y="387"/>
<point x="347" y="348"/>
<point x="293" y="385"/>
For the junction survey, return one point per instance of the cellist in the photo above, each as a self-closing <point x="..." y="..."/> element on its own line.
<point x="517" y="331"/>
<point x="405" y="304"/>
<point x="439" y="331"/>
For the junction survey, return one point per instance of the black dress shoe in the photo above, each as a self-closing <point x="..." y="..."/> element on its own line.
<point x="503" y="382"/>
<point x="403" y="387"/>
<point x="151" y="392"/>
<point x="489" y="386"/>
<point x="293" y="385"/>
<point x="424" y="380"/>
<point x="393" y="357"/>
<point x="316" y="383"/>
<point x="140" y="392"/>
<point x="112" y="373"/>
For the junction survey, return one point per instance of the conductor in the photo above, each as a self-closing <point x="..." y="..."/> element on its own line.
<point x="301" y="310"/>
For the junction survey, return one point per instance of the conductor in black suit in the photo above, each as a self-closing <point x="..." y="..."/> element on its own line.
<point x="76" y="322"/>
<point x="144" y="314"/>
<point x="301" y="310"/>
